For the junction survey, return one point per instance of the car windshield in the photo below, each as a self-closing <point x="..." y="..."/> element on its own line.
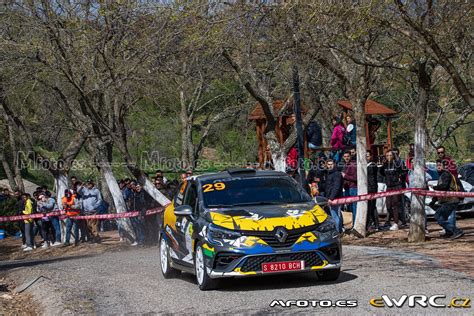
<point x="252" y="191"/>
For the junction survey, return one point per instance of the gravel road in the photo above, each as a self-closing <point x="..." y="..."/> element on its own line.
<point x="131" y="282"/>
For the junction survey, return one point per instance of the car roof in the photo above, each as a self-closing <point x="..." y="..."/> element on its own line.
<point x="239" y="173"/>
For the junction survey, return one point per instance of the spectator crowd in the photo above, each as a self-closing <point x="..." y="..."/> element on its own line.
<point x="85" y="198"/>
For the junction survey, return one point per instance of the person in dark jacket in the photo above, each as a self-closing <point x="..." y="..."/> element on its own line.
<point x="446" y="214"/>
<point x="372" y="187"/>
<point x="349" y="174"/>
<point x="138" y="203"/>
<point x="314" y="136"/>
<point x="403" y="182"/>
<point x="391" y="171"/>
<point x="19" y="207"/>
<point x="318" y="174"/>
<point x="334" y="191"/>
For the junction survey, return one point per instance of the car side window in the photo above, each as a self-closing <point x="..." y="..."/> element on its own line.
<point x="191" y="197"/>
<point x="178" y="201"/>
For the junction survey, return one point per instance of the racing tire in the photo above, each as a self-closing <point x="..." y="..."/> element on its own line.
<point x="165" y="261"/>
<point x="329" y="275"/>
<point x="203" y="280"/>
<point x="407" y="209"/>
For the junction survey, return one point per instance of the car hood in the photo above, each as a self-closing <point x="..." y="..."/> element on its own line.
<point x="267" y="217"/>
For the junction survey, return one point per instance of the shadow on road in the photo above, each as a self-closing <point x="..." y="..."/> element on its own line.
<point x="6" y="265"/>
<point x="271" y="282"/>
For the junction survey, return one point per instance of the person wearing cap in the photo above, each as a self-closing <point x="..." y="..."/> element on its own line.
<point x="47" y="230"/>
<point x="91" y="202"/>
<point x="49" y="205"/>
<point x="72" y="208"/>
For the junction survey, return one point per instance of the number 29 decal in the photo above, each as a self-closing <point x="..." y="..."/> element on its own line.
<point x="218" y="186"/>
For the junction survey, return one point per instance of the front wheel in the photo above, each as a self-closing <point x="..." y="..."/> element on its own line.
<point x="165" y="263"/>
<point x="204" y="282"/>
<point x="328" y="275"/>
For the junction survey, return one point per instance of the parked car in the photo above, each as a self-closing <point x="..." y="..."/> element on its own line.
<point x="465" y="208"/>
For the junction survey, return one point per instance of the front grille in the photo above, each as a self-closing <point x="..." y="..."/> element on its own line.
<point x="269" y="236"/>
<point x="255" y="263"/>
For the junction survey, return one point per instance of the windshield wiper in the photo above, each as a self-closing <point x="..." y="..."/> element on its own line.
<point x="220" y="205"/>
<point x="257" y="203"/>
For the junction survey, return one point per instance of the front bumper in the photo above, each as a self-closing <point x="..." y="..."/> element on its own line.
<point x="244" y="265"/>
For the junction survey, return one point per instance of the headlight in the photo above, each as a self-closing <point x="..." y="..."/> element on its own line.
<point x="216" y="234"/>
<point x="328" y="225"/>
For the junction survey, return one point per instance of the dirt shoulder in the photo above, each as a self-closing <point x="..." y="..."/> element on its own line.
<point x="456" y="254"/>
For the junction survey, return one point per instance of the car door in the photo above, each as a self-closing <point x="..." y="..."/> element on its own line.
<point x="185" y="224"/>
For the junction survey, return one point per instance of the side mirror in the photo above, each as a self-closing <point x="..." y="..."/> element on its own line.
<point x="183" y="210"/>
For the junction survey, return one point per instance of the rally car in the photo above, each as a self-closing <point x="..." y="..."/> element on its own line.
<point x="244" y="222"/>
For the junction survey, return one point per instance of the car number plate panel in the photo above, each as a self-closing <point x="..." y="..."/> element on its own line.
<point x="282" y="266"/>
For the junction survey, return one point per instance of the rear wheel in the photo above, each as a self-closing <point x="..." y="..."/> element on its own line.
<point x="165" y="261"/>
<point x="328" y="275"/>
<point x="203" y="280"/>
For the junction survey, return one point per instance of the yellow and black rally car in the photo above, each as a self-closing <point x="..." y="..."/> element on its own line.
<point x="243" y="222"/>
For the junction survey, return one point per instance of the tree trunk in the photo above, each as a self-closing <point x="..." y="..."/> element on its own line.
<point x="117" y="197"/>
<point x="16" y="163"/>
<point x="60" y="185"/>
<point x="8" y="172"/>
<point x="102" y="157"/>
<point x="358" y="105"/>
<point x="187" y="146"/>
<point x="418" y="216"/>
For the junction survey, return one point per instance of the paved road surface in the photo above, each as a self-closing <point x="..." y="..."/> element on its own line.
<point x="131" y="282"/>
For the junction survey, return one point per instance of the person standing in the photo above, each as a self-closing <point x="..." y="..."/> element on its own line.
<point x="349" y="175"/>
<point x="72" y="208"/>
<point x="91" y="202"/>
<point x="392" y="174"/>
<point x="47" y="230"/>
<point x="334" y="191"/>
<point x="450" y="163"/>
<point x="337" y="139"/>
<point x="49" y="205"/>
<point x="372" y="187"/>
<point x="19" y="207"/>
<point x="28" y="210"/>
<point x="138" y="204"/>
<point x="446" y="214"/>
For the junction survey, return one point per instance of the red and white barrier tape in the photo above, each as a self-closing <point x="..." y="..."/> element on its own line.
<point x="371" y="196"/>
<point x="339" y="201"/>
<point x="366" y="197"/>
<point x="94" y="216"/>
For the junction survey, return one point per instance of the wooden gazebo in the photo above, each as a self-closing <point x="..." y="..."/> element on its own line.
<point x="286" y="118"/>
<point x="282" y="128"/>
<point x="372" y="124"/>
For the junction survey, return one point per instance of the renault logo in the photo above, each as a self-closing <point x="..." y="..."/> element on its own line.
<point x="281" y="234"/>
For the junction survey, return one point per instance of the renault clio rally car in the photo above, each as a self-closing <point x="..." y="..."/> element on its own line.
<point x="243" y="222"/>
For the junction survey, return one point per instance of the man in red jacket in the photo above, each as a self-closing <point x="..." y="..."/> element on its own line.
<point x="349" y="175"/>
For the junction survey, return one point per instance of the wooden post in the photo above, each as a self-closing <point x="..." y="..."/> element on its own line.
<point x="389" y="132"/>
<point x="367" y="137"/>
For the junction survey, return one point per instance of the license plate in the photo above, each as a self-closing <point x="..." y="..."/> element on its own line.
<point x="282" y="266"/>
